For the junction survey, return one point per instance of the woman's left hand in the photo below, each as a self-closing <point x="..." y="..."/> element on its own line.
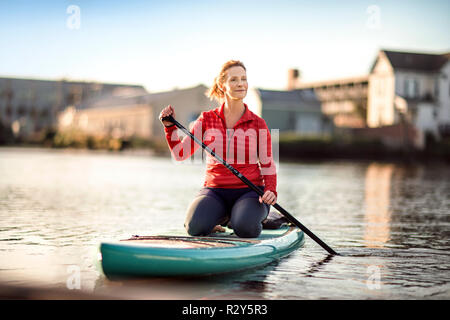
<point x="268" y="197"/>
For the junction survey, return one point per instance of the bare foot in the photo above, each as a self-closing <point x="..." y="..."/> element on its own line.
<point x="218" y="228"/>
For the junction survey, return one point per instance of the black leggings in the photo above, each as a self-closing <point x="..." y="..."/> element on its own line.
<point x="214" y="206"/>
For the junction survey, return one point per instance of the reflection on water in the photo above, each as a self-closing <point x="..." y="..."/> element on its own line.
<point x="377" y="198"/>
<point x="317" y="266"/>
<point x="389" y="222"/>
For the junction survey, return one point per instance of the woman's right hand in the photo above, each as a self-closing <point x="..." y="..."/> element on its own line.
<point x="167" y="111"/>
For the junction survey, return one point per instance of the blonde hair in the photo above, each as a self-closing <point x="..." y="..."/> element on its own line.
<point x="215" y="93"/>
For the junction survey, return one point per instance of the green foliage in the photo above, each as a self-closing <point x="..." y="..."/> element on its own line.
<point x="80" y="140"/>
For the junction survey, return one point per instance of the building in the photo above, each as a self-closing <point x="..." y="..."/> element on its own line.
<point x="117" y="122"/>
<point x="124" y="113"/>
<point x="30" y="106"/>
<point x="128" y="113"/>
<point x="411" y="87"/>
<point x="188" y="104"/>
<point x="343" y="100"/>
<point x="297" y="111"/>
<point x="405" y="97"/>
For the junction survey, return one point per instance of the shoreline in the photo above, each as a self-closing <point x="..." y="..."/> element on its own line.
<point x="289" y="154"/>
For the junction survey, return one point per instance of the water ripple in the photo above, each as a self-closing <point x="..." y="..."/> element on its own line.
<point x="386" y="220"/>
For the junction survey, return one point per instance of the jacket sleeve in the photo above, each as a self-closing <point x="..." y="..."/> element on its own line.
<point x="182" y="149"/>
<point x="268" y="168"/>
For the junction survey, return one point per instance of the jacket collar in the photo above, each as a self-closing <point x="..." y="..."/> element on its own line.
<point x="247" y="116"/>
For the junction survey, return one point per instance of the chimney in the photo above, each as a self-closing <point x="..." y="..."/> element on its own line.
<point x="293" y="79"/>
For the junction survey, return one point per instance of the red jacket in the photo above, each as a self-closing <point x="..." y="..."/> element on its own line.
<point x="247" y="147"/>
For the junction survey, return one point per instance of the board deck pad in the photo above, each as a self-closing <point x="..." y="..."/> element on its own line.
<point x="178" y="242"/>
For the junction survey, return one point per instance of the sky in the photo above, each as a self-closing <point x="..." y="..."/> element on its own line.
<point x="167" y="44"/>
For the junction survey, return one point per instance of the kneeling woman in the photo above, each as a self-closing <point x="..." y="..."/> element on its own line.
<point x="243" y="140"/>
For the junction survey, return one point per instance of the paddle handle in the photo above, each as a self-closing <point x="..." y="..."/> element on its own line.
<point x="252" y="186"/>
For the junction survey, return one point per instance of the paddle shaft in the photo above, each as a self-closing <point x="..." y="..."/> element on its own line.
<point x="252" y="186"/>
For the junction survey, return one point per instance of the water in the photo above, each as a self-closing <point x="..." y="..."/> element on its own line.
<point x="391" y="224"/>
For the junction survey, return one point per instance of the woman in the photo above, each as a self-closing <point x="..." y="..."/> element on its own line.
<point x="241" y="138"/>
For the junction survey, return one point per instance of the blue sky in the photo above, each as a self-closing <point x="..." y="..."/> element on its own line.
<point x="167" y="44"/>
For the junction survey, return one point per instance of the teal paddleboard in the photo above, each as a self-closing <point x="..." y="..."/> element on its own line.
<point x="180" y="256"/>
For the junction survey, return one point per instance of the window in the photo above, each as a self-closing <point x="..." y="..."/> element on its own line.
<point x="436" y="89"/>
<point x="406" y="88"/>
<point x="411" y="88"/>
<point x="21" y="111"/>
<point x="416" y="89"/>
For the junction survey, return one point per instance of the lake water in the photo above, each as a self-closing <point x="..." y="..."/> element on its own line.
<point x="390" y="222"/>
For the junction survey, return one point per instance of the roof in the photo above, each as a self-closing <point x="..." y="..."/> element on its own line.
<point x="153" y="97"/>
<point x="119" y="98"/>
<point x="299" y="99"/>
<point x="43" y="94"/>
<point x="297" y="95"/>
<point x="363" y="79"/>
<point x="416" y="61"/>
<point x="116" y="98"/>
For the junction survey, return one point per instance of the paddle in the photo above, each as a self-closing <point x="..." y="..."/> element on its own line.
<point x="252" y="186"/>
